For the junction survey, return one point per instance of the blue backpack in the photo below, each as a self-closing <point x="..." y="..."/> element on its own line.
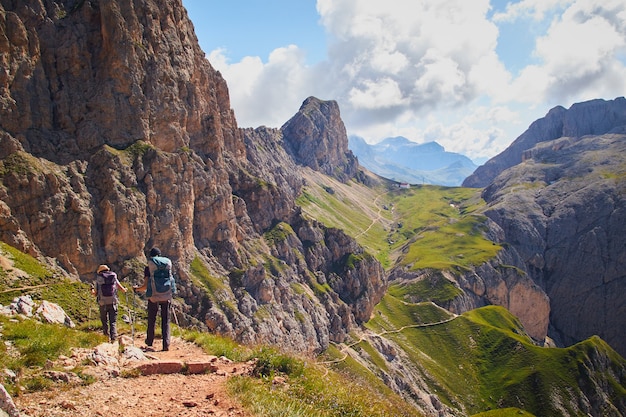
<point x="162" y="286"/>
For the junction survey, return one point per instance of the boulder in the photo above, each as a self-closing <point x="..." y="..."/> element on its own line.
<point x="53" y="313"/>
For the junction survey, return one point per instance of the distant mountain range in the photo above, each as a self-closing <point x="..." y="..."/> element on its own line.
<point x="402" y="160"/>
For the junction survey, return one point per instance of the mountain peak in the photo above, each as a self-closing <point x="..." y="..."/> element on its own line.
<point x="593" y="117"/>
<point x="401" y="159"/>
<point x="316" y="137"/>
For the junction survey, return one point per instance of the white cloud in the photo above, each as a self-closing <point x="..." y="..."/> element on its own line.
<point x="265" y="93"/>
<point x="420" y="68"/>
<point x="374" y="95"/>
<point x="578" y="56"/>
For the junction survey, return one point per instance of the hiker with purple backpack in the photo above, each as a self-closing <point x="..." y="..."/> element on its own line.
<point x="105" y="291"/>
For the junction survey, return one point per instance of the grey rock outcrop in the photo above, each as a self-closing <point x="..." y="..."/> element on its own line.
<point x="593" y="117"/>
<point x="7" y="406"/>
<point x="317" y="138"/>
<point x="563" y="210"/>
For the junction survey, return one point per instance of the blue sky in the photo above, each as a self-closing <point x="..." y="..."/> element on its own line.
<point x="471" y="75"/>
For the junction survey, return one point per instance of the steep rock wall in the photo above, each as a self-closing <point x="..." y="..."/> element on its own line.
<point x="564" y="212"/>
<point x="116" y="134"/>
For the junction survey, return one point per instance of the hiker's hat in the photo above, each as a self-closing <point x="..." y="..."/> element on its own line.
<point x="155" y="252"/>
<point x="102" y="268"/>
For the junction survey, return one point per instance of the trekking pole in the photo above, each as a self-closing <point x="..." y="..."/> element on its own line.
<point x="90" y="305"/>
<point x="176" y="321"/>
<point x="130" y="317"/>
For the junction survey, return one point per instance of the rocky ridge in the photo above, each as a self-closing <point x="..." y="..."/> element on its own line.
<point x="116" y="134"/>
<point x="594" y="117"/>
<point x="563" y="210"/>
<point x="556" y="196"/>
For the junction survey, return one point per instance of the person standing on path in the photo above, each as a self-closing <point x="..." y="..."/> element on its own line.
<point x="107" y="285"/>
<point x="160" y="287"/>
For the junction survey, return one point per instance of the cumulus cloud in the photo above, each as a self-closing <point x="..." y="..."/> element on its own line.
<point x="421" y="68"/>
<point x="578" y="57"/>
<point x="265" y="93"/>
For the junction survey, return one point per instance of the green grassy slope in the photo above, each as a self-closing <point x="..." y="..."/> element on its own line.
<point x="422" y="227"/>
<point x="481" y="360"/>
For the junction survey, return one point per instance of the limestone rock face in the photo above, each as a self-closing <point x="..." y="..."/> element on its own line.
<point x="77" y="70"/>
<point x="563" y="210"/>
<point x="557" y="193"/>
<point x="593" y="117"/>
<point x="316" y="137"/>
<point x="117" y="135"/>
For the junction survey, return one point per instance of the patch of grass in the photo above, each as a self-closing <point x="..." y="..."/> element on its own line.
<point x="271" y="361"/>
<point x="30" y="344"/>
<point x="32" y="267"/>
<point x="374" y="356"/>
<point x="394" y="313"/>
<point x="423" y="227"/>
<point x="20" y="163"/>
<point x="316" y="392"/>
<point x="440" y="228"/>
<point x="219" y="345"/>
<point x="38" y="342"/>
<point x="279" y="233"/>
<point x="484" y="360"/>
<point x="354" y="208"/>
<point x="202" y="274"/>
<point x="434" y="287"/>
<point x="138" y="149"/>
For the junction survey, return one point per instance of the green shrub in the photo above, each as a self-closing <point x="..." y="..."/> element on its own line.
<point x="270" y="361"/>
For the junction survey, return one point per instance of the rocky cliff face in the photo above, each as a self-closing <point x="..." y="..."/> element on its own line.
<point x="593" y="117"/>
<point x="563" y="210"/>
<point x="116" y="134"/>
<point x="557" y="193"/>
<point x="316" y="137"/>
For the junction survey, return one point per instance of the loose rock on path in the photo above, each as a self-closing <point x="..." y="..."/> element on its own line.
<point x="166" y="385"/>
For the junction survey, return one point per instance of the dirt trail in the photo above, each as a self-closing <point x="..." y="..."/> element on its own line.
<point x="176" y="394"/>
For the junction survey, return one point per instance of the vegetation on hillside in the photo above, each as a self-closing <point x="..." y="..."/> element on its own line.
<point x="422" y="227"/>
<point x="483" y="360"/>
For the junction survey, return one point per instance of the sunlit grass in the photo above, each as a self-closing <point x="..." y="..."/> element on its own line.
<point x="316" y="391"/>
<point x="484" y="359"/>
<point x="360" y="211"/>
<point x="29" y="345"/>
<point x="439" y="228"/>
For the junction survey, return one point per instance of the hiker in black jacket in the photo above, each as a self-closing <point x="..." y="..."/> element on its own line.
<point x="160" y="288"/>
